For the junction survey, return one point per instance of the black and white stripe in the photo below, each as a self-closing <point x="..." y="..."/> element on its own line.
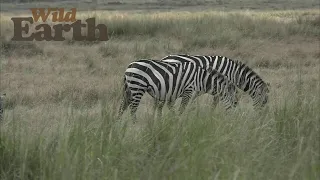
<point x="166" y="82"/>
<point x="237" y="72"/>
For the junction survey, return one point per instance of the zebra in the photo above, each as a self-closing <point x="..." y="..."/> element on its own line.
<point x="2" y="105"/>
<point x="236" y="71"/>
<point x="166" y="82"/>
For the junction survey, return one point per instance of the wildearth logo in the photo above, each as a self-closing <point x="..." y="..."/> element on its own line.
<point x="44" y="31"/>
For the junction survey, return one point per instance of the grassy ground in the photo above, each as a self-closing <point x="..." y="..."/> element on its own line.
<point x="161" y="5"/>
<point x="62" y="99"/>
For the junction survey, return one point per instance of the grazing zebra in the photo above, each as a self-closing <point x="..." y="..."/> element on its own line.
<point x="237" y="72"/>
<point x="166" y="82"/>
<point x="2" y="105"/>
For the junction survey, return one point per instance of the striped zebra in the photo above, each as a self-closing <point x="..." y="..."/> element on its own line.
<point x="2" y="105"/>
<point x="166" y="82"/>
<point x="237" y="72"/>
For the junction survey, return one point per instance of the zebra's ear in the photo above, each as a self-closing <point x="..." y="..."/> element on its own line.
<point x="268" y="87"/>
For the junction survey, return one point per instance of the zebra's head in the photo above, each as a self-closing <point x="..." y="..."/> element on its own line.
<point x="261" y="95"/>
<point x="229" y="95"/>
<point x="219" y="85"/>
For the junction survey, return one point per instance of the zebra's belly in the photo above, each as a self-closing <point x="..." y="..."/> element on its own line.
<point x="163" y="96"/>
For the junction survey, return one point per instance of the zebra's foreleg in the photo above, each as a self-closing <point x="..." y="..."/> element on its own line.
<point x="193" y="98"/>
<point x="184" y="102"/>
<point x="195" y="95"/>
<point x="158" y="106"/>
<point x="155" y="106"/>
<point x="215" y="102"/>
<point x="170" y="104"/>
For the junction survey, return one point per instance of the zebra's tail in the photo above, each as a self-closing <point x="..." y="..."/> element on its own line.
<point x="126" y="91"/>
<point x="126" y="96"/>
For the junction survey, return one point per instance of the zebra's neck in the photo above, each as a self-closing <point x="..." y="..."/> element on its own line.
<point x="237" y="72"/>
<point x="210" y="83"/>
<point x="200" y="77"/>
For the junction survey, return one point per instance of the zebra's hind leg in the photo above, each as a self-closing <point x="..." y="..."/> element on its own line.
<point x="133" y="109"/>
<point x="134" y="103"/>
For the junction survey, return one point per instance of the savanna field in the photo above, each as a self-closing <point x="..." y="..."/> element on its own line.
<point x="62" y="99"/>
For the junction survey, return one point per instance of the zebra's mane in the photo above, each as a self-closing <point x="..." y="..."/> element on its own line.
<point x="243" y="65"/>
<point x="237" y="62"/>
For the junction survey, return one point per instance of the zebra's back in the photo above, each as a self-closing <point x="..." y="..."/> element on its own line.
<point x="237" y="72"/>
<point x="167" y="81"/>
<point x="162" y="80"/>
